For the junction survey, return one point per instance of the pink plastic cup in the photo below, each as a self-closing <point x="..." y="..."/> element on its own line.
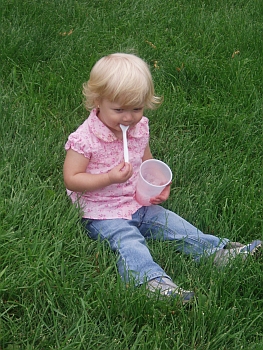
<point x="154" y="176"/>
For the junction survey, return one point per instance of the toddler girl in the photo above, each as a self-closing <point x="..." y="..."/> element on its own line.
<point x="103" y="185"/>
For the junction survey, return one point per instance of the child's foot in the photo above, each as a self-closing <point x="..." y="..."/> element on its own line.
<point x="224" y="256"/>
<point x="167" y="288"/>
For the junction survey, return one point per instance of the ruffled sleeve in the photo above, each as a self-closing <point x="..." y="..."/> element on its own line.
<point x="77" y="141"/>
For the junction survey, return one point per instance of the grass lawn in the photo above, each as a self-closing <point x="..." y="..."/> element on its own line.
<point x="59" y="289"/>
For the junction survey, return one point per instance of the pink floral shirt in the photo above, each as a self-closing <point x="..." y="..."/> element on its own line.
<point x="104" y="151"/>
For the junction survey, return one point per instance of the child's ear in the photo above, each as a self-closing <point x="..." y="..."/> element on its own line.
<point x="97" y="102"/>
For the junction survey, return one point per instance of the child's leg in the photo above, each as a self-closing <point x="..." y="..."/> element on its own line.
<point x="159" y="223"/>
<point x="134" y="258"/>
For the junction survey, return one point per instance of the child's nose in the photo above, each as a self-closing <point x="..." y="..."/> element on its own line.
<point x="127" y="116"/>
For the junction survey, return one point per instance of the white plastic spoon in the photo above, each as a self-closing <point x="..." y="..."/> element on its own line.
<point x="125" y="144"/>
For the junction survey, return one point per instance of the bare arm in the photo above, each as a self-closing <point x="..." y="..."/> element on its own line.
<point x="147" y="153"/>
<point x="76" y="179"/>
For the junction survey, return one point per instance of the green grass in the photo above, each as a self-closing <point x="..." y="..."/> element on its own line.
<point x="60" y="290"/>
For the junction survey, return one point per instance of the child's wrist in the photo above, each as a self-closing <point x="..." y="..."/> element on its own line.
<point x="108" y="179"/>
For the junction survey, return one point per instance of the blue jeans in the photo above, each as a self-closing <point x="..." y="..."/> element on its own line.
<point x="128" y="239"/>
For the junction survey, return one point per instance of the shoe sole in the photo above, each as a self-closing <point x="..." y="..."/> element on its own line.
<point x="254" y="248"/>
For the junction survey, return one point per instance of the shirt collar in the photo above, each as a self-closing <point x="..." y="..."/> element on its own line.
<point x="101" y="131"/>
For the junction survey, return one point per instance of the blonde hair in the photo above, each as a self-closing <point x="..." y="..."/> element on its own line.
<point x="122" y="78"/>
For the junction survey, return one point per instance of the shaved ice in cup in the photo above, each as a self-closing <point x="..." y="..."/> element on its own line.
<point x="154" y="176"/>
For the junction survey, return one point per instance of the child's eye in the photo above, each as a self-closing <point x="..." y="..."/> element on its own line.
<point x="118" y="110"/>
<point x="137" y="109"/>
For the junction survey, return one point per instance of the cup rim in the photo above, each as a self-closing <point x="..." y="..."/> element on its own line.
<point x="158" y="161"/>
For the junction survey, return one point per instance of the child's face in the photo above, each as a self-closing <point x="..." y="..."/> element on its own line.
<point x="112" y="114"/>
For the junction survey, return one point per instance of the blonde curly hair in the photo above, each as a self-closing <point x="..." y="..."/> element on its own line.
<point x="123" y="78"/>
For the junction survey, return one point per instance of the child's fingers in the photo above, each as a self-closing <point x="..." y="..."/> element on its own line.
<point x="125" y="171"/>
<point x="162" y="197"/>
<point x="126" y="167"/>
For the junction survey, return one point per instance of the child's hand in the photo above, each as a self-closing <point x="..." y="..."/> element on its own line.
<point x="121" y="173"/>
<point x="163" y="196"/>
